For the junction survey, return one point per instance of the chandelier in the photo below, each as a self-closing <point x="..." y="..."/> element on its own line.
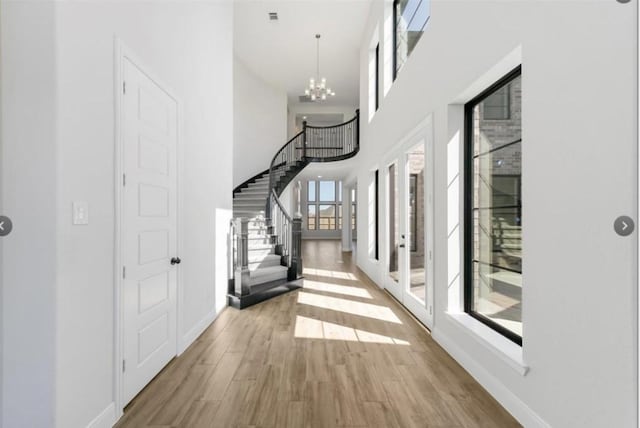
<point x="318" y="89"/>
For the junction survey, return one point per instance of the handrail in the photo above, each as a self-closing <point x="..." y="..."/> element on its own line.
<point x="334" y="126"/>
<point x="280" y="224"/>
<point x="344" y="142"/>
<point x="249" y="181"/>
<point x="279" y="203"/>
<point x="283" y="162"/>
<point x="333" y="143"/>
<point x="283" y="147"/>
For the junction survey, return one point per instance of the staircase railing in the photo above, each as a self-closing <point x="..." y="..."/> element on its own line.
<point x="281" y="230"/>
<point x="287" y="157"/>
<point x="312" y="144"/>
<point x="332" y="143"/>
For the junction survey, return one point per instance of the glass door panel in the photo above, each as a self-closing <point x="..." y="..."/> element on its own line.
<point x="416" y="224"/>
<point x="393" y="224"/>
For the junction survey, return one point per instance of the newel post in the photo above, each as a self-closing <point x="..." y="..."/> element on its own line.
<point x="295" y="270"/>
<point x="231" y="257"/>
<point x="296" y="248"/>
<point x="242" y="267"/>
<point x="304" y="139"/>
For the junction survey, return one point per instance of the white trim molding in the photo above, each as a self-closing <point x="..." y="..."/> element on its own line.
<point x="106" y="418"/>
<point x="518" y="409"/>
<point x="188" y="338"/>
<point x="500" y="346"/>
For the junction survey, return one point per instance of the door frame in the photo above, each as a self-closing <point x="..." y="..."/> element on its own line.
<point x="421" y="133"/>
<point x="121" y="51"/>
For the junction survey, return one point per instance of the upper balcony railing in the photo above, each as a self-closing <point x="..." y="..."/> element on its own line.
<point x="313" y="144"/>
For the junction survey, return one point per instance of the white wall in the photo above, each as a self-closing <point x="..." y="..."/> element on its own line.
<point x="579" y="154"/>
<point x="29" y="183"/>
<point x="259" y="123"/>
<point x="61" y="149"/>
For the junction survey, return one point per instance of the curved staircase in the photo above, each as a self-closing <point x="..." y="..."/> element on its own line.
<point x="264" y="239"/>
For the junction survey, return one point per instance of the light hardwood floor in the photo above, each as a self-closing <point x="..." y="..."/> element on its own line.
<point x="339" y="352"/>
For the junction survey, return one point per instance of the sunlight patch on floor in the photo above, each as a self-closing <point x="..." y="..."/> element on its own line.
<point x="329" y="273"/>
<point x="309" y="328"/>
<point x="338" y="289"/>
<point x="369" y="310"/>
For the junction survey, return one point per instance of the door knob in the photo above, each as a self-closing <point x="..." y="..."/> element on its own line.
<point x="175" y="261"/>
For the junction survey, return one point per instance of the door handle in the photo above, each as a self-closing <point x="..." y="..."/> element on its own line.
<point x="175" y="261"/>
<point x="401" y="245"/>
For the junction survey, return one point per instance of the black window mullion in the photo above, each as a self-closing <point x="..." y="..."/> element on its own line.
<point x="495" y="149"/>
<point x="415" y="12"/>
<point x="493" y="265"/>
<point x="502" y="207"/>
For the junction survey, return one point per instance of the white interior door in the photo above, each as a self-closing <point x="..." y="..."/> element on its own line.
<point x="149" y="229"/>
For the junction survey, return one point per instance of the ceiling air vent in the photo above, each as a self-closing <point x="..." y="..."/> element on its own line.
<point x="305" y="99"/>
<point x="273" y="16"/>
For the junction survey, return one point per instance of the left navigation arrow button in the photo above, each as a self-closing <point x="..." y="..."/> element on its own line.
<point x="5" y="225"/>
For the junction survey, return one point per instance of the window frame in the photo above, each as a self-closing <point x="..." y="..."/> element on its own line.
<point x="395" y="40"/>
<point x="376" y="252"/>
<point x="333" y="218"/>
<point x="377" y="91"/>
<point x="317" y="202"/>
<point x="395" y="35"/>
<point x="468" y="285"/>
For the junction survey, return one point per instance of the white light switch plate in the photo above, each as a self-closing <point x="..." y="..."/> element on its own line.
<point x="80" y="213"/>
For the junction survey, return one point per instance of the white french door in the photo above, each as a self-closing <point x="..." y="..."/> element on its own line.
<point x="149" y="228"/>
<point x="409" y="227"/>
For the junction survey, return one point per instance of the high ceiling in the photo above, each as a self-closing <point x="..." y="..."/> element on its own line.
<point x="283" y="52"/>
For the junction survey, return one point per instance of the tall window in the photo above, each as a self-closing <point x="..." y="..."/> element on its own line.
<point x="374" y="76"/>
<point x="410" y="18"/>
<point x="493" y="207"/>
<point x="377" y="66"/>
<point x="324" y="210"/>
<point x="376" y="226"/>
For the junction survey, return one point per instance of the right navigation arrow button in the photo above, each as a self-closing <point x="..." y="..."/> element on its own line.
<point x="624" y="225"/>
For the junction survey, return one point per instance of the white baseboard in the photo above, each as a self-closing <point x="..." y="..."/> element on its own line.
<point x="197" y="330"/>
<point x="106" y="418"/>
<point x="501" y="393"/>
